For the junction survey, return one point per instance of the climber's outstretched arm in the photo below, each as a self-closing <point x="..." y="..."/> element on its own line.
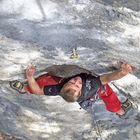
<point x="118" y="74"/>
<point x="32" y="82"/>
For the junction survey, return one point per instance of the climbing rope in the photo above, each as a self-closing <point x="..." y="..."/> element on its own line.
<point x="97" y="127"/>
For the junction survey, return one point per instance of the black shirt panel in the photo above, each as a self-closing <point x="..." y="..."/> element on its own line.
<point x="52" y="90"/>
<point x="90" y="87"/>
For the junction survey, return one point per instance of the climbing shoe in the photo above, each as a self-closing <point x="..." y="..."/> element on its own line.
<point x="17" y="85"/>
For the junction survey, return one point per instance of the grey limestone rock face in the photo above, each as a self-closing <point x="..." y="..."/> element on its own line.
<point x="67" y="70"/>
<point x="44" y="33"/>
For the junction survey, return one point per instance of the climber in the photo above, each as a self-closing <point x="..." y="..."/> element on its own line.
<point x="78" y="88"/>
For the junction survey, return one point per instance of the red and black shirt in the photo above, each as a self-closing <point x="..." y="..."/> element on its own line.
<point x="90" y="86"/>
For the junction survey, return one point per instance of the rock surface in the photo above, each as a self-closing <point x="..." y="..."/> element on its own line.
<point x="44" y="33"/>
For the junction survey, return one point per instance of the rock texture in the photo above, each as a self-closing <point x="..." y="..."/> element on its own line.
<point x="44" y="33"/>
